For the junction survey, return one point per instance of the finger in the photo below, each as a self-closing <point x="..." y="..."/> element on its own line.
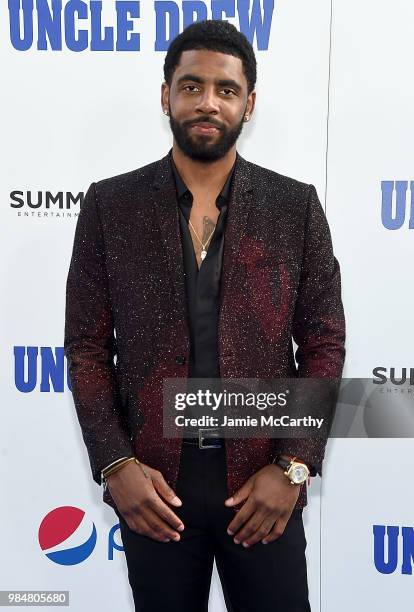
<point x="249" y="528"/>
<point x="241" y="494"/>
<point x="276" y="531"/>
<point x="138" y="524"/>
<point x="164" y="489"/>
<point x="159" y="529"/>
<point x="160" y="508"/>
<point x="261" y="532"/>
<point x="241" y="517"/>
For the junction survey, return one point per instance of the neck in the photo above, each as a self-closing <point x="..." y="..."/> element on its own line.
<point x="201" y="176"/>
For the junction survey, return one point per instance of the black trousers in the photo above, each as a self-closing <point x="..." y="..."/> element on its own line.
<point x="176" y="576"/>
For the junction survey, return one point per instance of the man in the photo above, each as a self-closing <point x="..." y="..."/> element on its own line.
<point x="202" y="265"/>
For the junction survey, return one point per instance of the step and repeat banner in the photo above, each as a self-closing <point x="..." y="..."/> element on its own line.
<point x="81" y="102"/>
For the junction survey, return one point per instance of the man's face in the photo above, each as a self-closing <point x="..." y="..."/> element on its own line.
<point x="207" y="103"/>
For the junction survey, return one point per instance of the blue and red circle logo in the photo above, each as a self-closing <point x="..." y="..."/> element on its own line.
<point x="66" y="537"/>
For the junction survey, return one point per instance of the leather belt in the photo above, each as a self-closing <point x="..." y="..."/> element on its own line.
<point x="207" y="438"/>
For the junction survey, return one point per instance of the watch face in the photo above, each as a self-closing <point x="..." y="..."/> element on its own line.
<point x="298" y="473"/>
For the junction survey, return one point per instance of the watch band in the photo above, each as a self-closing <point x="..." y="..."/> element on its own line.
<point x="284" y="463"/>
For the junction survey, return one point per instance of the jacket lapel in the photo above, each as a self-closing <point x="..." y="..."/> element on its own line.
<point x="166" y="209"/>
<point x="238" y="213"/>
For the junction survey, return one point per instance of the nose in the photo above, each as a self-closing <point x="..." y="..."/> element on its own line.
<point x="208" y="102"/>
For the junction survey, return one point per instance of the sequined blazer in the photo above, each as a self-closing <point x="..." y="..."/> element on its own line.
<point x="126" y="322"/>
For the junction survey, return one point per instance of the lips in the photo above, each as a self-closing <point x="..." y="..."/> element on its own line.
<point x="204" y="128"/>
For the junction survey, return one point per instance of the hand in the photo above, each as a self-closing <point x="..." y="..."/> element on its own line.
<point x="270" y="501"/>
<point x="137" y="491"/>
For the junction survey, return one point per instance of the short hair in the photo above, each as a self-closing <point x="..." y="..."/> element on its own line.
<point x="212" y="35"/>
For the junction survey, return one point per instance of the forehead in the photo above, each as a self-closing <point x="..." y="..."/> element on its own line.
<point x="210" y="65"/>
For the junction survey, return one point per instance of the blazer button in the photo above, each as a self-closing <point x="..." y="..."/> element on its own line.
<point x="180" y="359"/>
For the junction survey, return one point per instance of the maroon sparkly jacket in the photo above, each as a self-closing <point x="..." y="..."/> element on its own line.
<point x="280" y="280"/>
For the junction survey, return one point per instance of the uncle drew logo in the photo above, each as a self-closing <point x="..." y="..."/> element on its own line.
<point x="397" y="205"/>
<point x="76" y="25"/>
<point x="41" y="368"/>
<point x="386" y="548"/>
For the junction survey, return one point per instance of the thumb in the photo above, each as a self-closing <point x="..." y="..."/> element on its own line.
<point x="241" y="494"/>
<point x="166" y="492"/>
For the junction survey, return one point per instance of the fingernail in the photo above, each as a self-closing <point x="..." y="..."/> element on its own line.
<point x="230" y="532"/>
<point x="180" y="528"/>
<point x="245" y="544"/>
<point x="229" y="501"/>
<point x="167" y="540"/>
<point x="176" y="537"/>
<point x="176" y="501"/>
<point x="236" y="541"/>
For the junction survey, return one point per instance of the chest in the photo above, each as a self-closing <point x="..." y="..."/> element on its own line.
<point x="202" y="224"/>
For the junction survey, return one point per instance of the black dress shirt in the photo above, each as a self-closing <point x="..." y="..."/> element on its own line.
<point x="202" y="286"/>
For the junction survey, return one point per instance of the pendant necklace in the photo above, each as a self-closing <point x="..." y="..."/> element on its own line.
<point x="203" y="245"/>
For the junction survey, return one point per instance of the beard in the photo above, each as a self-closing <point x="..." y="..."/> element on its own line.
<point x="200" y="149"/>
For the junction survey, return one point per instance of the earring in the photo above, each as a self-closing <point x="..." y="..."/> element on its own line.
<point x="165" y="111"/>
<point x="246" y="117"/>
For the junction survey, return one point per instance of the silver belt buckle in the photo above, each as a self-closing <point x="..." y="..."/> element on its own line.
<point x="201" y="438"/>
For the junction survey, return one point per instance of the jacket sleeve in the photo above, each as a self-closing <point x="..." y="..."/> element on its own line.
<point x="318" y="328"/>
<point x="90" y="344"/>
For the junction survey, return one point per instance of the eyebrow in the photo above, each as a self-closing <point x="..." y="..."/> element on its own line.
<point x="220" y="82"/>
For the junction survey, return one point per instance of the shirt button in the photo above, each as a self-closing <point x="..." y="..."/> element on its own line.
<point x="180" y="359"/>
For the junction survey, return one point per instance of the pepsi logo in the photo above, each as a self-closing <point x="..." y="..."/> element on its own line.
<point x="66" y="536"/>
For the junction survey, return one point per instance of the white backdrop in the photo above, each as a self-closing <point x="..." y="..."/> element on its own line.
<point x="334" y="109"/>
<point x="371" y="140"/>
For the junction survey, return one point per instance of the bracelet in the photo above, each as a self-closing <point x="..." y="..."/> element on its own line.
<point x="117" y="467"/>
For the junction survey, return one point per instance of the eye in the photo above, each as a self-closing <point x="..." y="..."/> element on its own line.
<point x="191" y="88"/>
<point x="228" y="92"/>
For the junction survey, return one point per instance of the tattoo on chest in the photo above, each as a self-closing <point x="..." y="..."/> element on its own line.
<point x="208" y="228"/>
<point x="207" y="232"/>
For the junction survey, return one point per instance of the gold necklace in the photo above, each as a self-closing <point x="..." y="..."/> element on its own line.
<point x="203" y="245"/>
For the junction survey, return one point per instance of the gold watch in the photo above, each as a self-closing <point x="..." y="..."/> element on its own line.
<point x="297" y="471"/>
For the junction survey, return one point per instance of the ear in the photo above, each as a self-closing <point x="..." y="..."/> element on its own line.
<point x="165" y="96"/>
<point x="251" y="101"/>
